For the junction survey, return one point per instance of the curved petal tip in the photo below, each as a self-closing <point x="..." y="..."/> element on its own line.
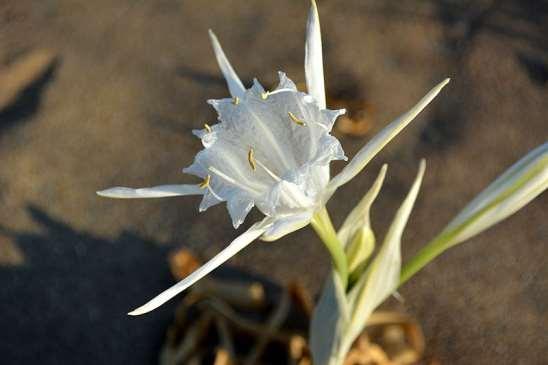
<point x="313" y="57"/>
<point x="137" y="312"/>
<point x="234" y="83"/>
<point x="233" y="248"/>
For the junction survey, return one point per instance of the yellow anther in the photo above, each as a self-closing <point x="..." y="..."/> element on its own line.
<point x="235" y="100"/>
<point x="264" y="95"/>
<point x="207" y="127"/>
<point x="295" y="119"/>
<point x="205" y="183"/>
<point x="251" y="159"/>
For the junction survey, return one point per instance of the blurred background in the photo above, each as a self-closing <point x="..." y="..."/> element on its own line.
<point x="101" y="93"/>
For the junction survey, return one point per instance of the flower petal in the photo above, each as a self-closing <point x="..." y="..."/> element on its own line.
<point x="235" y="86"/>
<point x="373" y="147"/>
<point x="284" y="226"/>
<point x="161" y="191"/>
<point x="313" y="59"/>
<point x="238" y="208"/>
<point x="262" y="139"/>
<point x="236" y="246"/>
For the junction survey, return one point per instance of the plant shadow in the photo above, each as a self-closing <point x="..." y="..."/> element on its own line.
<point x="67" y="302"/>
<point x="28" y="101"/>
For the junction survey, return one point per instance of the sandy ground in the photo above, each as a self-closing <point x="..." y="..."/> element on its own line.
<point x="130" y="84"/>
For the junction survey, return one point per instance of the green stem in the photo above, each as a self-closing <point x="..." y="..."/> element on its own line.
<point x="426" y="254"/>
<point x="445" y="239"/>
<point x="324" y="229"/>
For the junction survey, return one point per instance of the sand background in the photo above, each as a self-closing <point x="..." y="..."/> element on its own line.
<point x="130" y="84"/>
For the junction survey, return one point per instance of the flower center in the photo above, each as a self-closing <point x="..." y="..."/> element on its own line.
<point x="270" y="149"/>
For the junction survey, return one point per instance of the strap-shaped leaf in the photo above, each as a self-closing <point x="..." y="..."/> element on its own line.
<point x="356" y="233"/>
<point x="329" y="321"/>
<point x="359" y="216"/>
<point x="382" y="276"/>
<point x="516" y="187"/>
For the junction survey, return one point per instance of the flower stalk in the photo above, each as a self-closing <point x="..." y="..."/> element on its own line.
<point x="425" y="255"/>
<point x="321" y="222"/>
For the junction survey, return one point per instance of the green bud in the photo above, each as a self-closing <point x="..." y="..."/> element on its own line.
<point x="359" y="250"/>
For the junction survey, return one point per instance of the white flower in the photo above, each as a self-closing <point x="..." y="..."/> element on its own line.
<point x="270" y="150"/>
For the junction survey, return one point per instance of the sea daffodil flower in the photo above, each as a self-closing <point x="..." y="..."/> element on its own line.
<point x="271" y="150"/>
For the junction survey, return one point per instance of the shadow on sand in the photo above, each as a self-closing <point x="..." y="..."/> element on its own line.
<point x="67" y="303"/>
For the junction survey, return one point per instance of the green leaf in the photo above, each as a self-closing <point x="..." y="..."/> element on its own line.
<point x="516" y="187"/>
<point x="359" y="216"/>
<point x="329" y="320"/>
<point x="356" y="234"/>
<point x="382" y="276"/>
<point x="359" y="251"/>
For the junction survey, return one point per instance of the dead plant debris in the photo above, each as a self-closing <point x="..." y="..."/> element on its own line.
<point x="234" y="322"/>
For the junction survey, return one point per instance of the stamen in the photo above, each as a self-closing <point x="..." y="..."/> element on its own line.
<point x="264" y="95"/>
<point x="251" y="159"/>
<point x="235" y="100"/>
<point x="267" y="170"/>
<point x="281" y="91"/>
<point x="214" y="194"/>
<point x="254" y="162"/>
<point x="230" y="180"/>
<point x="205" y="183"/>
<point x="207" y="127"/>
<point x="296" y="120"/>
